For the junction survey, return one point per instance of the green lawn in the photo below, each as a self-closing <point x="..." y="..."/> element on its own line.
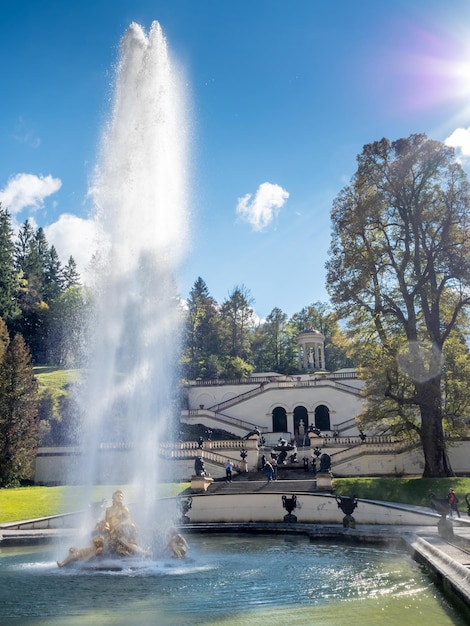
<point x="32" y="502"/>
<point x="405" y="490"/>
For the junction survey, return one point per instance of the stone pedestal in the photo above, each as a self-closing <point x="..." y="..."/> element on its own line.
<point x="445" y="528"/>
<point x="324" y="481"/>
<point x="349" y="521"/>
<point x="199" y="484"/>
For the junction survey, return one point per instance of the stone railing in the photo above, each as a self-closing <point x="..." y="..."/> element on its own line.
<point x="224" y="444"/>
<point x="207" y="455"/>
<point x="217" y="382"/>
<point x="381" y="440"/>
<point x="372" y="445"/>
<point x="220" y="417"/>
<point x="257" y="380"/>
<point x="237" y="399"/>
<point x="349" y="423"/>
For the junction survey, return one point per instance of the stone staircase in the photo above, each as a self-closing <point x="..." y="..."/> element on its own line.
<point x="289" y="481"/>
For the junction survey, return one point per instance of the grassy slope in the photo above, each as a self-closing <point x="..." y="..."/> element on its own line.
<point x="32" y="502"/>
<point x="55" y="381"/>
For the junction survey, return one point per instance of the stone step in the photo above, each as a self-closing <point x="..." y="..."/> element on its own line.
<point x="284" y="473"/>
<point x="263" y="486"/>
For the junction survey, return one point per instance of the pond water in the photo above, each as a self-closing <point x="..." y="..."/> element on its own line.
<point x="227" y="579"/>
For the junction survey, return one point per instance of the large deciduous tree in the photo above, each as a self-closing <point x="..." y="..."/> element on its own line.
<point x="399" y="270"/>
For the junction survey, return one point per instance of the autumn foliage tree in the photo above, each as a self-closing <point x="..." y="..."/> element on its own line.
<point x="399" y="272"/>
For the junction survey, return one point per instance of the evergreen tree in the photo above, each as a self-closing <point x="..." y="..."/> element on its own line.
<point x="24" y="242"/>
<point x="40" y="253"/>
<point x="237" y="318"/>
<point x="41" y="284"/>
<point x="32" y="323"/>
<point x="201" y="334"/>
<point x="273" y="345"/>
<point x="53" y="276"/>
<point x="70" y="275"/>
<point x="4" y="339"/>
<point x="35" y="260"/>
<point x="31" y="255"/>
<point x="68" y="328"/>
<point x="9" y="308"/>
<point x="18" y="414"/>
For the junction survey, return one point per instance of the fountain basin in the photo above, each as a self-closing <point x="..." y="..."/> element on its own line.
<point x="230" y="578"/>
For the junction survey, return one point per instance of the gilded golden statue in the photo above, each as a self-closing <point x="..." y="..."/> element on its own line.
<point x="115" y="535"/>
<point x="177" y="545"/>
<point x="119" y="531"/>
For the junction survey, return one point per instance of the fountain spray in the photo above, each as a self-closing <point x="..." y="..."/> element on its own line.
<point x="140" y="207"/>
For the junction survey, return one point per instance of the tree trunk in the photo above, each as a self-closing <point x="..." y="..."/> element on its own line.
<point x="432" y="435"/>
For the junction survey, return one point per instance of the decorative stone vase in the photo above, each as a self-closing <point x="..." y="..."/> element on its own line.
<point x="290" y="504"/>
<point x="347" y="504"/>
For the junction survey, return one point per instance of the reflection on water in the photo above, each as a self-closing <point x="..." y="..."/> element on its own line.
<point x="227" y="579"/>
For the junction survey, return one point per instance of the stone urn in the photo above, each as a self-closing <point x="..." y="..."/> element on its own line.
<point x="347" y="504"/>
<point x="290" y="504"/>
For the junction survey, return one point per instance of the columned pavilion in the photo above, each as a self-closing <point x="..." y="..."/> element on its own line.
<point x="311" y="348"/>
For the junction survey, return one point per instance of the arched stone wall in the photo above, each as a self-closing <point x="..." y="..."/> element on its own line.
<point x="322" y="417"/>
<point x="279" y="415"/>
<point x="300" y="416"/>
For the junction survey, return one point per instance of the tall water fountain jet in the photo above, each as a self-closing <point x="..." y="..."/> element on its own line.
<point x="140" y="199"/>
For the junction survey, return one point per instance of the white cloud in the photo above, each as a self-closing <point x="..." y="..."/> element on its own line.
<point x="460" y="139"/>
<point x="72" y="235"/>
<point x="264" y="207"/>
<point x="28" y="191"/>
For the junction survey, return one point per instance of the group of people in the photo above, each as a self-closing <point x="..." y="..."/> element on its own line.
<point x="269" y="468"/>
<point x="306" y="461"/>
<point x="116" y="536"/>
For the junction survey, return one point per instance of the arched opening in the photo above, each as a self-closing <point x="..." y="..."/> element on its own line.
<point x="322" y="417"/>
<point x="279" y="420"/>
<point x="300" y="421"/>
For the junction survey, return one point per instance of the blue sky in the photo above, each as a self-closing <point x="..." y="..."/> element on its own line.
<point x="284" y="94"/>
